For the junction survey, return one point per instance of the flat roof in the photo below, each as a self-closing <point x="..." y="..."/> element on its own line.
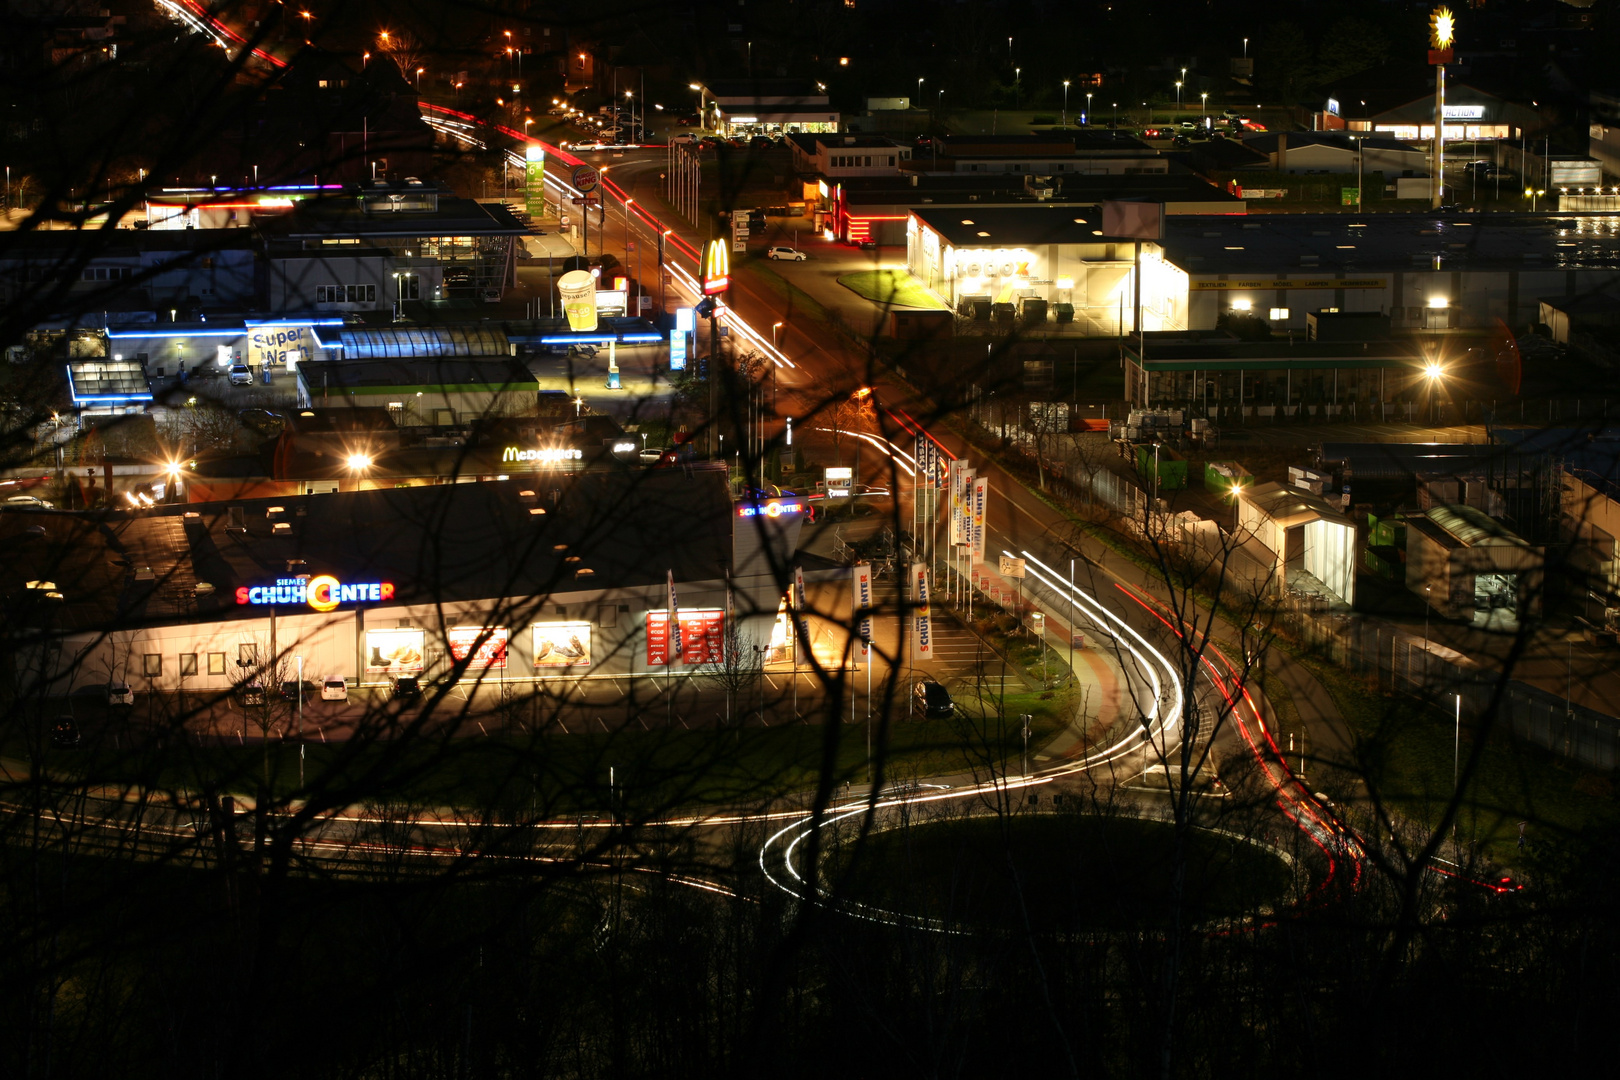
<point x="1283" y="503"/>
<point x="447" y="543"/>
<point x="1203" y="350"/>
<point x="343" y="216"/>
<point x="1004" y="226"/>
<point x="479" y="372"/>
<point x="1351" y="245"/>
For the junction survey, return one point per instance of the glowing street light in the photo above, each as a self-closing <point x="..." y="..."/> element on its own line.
<point x="359" y="462"/>
<point x="1065" y="102"/>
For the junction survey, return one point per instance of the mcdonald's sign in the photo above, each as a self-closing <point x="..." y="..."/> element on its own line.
<point x="716" y="268"/>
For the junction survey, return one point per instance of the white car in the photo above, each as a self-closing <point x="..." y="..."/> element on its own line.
<point x="26" y="501"/>
<point x="790" y="254"/>
<point x="241" y="375"/>
<point x="684" y="137"/>
<point x="334" y="690"/>
<point x="119" y="693"/>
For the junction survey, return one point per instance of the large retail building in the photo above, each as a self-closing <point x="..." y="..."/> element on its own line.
<point x="548" y="575"/>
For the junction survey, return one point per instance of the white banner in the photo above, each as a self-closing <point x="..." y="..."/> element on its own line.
<point x="923" y="633"/>
<point x="861" y="600"/>
<point x="981" y="493"/>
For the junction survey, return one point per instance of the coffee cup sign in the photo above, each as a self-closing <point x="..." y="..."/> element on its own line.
<point x="578" y="290"/>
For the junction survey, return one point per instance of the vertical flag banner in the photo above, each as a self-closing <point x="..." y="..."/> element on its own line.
<point x="981" y="492"/>
<point x="965" y="507"/>
<point x="861" y="598"/>
<point x="674" y="617"/>
<point x="923" y="635"/>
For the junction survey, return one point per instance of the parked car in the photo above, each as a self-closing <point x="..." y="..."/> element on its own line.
<point x="652" y="455"/>
<point x="407" y="687"/>
<point x="868" y="245"/>
<point x="292" y="690"/>
<point x="933" y="700"/>
<point x="683" y="137"/>
<point x="250" y="693"/>
<point x="65" y="733"/>
<point x="334" y="690"/>
<point x="241" y="375"/>
<point x="24" y="502"/>
<point x="119" y="694"/>
<point x="263" y="421"/>
<point x="787" y="253"/>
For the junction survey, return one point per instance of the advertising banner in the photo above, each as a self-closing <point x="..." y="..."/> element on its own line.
<point x="861" y="601"/>
<point x="534" y="181"/>
<point x="922" y="630"/>
<point x="674" y="623"/>
<point x="394" y="652"/>
<point x="562" y="644"/>
<point x="483" y="647"/>
<point x="703" y="631"/>
<point x="981" y="493"/>
<point x="577" y="288"/>
<point x="958" y="469"/>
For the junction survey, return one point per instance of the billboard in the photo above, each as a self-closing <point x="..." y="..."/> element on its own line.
<point x="702" y="637"/>
<point x="288" y="345"/>
<point x="534" y="181"/>
<point x="483" y="647"/>
<point x="562" y="644"/>
<point x="394" y="652"/>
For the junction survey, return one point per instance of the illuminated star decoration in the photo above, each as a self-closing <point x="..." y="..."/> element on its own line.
<point x="1441" y="25"/>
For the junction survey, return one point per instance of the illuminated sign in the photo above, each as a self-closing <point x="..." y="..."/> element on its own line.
<point x="624" y="446"/>
<point x="534" y="180"/>
<point x="394" y="651"/>
<point x="1333" y="106"/>
<point x="677" y="346"/>
<point x="839" y="482"/>
<point x="770" y="509"/>
<point x="481" y="646"/>
<point x="716" y="268"/>
<point x="1463" y="112"/>
<point x="562" y="644"/>
<point x="323" y="592"/>
<point x="685" y="321"/>
<point x="543" y="455"/>
<point x="278" y="345"/>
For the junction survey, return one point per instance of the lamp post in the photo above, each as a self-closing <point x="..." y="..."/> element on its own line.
<point x="702" y="106"/>
<point x="1427" y="600"/>
<point x="1442" y="24"/>
<point x="1178" y="97"/>
<point x="774" y="328"/>
<point x="1533" y="194"/>
<point x="300" y="660"/>
<point x="1065" y="102"/>
<point x="1203" y="98"/>
<point x="1018" y="73"/>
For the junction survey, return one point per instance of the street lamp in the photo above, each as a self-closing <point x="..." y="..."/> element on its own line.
<point x="300" y="689"/>
<point x="1065" y="102"/>
<point x="1533" y="194"/>
<point x="774" y="328"/>
<point x="365" y="57"/>
<point x="1085" y="117"/>
<point x="1178" y="97"/>
<point x="419" y="79"/>
<point x="1204" y="99"/>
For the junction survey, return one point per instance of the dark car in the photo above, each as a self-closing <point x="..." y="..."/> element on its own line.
<point x="65" y="733"/>
<point x="933" y="700"/>
<point x="407" y="687"/>
<point x="292" y="690"/>
<point x="263" y="421"/>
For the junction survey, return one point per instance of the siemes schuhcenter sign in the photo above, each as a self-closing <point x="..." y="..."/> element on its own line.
<point x="322" y="592"/>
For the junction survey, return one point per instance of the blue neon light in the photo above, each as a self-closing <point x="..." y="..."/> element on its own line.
<point x="640" y="339"/>
<point x="579" y="339"/>
<point x="287" y="323"/>
<point x="238" y="332"/>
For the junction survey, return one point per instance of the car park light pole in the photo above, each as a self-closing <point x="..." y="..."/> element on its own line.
<point x="300" y="690"/>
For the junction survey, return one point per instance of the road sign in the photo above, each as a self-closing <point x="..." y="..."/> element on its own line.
<point x="584" y="178"/>
<point x="1011" y="567"/>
